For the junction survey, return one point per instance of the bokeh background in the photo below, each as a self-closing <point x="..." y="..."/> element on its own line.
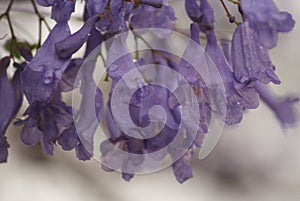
<point x="254" y="161"/>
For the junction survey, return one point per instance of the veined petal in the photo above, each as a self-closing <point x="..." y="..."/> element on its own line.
<point x="266" y="20"/>
<point x="73" y="43"/>
<point x="283" y="107"/>
<point x="250" y="60"/>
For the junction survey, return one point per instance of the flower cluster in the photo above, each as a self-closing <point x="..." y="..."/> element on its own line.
<point x="244" y="66"/>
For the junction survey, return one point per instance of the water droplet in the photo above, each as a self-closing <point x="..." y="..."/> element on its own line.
<point x="113" y="68"/>
<point x="48" y="76"/>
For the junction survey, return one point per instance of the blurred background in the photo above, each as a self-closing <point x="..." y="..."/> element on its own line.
<point x="254" y="161"/>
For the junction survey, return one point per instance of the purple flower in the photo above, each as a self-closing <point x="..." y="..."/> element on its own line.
<point x="182" y="167"/>
<point x="88" y="115"/>
<point x="18" y="87"/>
<point x="44" y="122"/>
<point x="46" y="2"/>
<point x="80" y="136"/>
<point x="250" y="60"/>
<point x="68" y="46"/>
<point x="42" y="74"/>
<point x="284" y="108"/>
<point x="7" y="107"/>
<point x="161" y="18"/>
<point x="94" y="40"/>
<point x="46" y="57"/>
<point x="62" y="9"/>
<point x="11" y="98"/>
<point x="67" y="82"/>
<point x="188" y="71"/>
<point x="117" y="63"/>
<point x="150" y="95"/>
<point x="207" y="20"/>
<point x="139" y="107"/>
<point x="69" y="140"/>
<point x="153" y="3"/>
<point x="113" y="154"/>
<point x="3" y="148"/>
<point x="193" y="10"/>
<point x="239" y="96"/>
<point x="114" y="20"/>
<point x="266" y="20"/>
<point x="94" y="7"/>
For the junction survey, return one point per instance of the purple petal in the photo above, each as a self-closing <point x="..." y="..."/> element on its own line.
<point x="46" y="2"/>
<point x="3" y="149"/>
<point x="250" y="60"/>
<point x="74" y="42"/>
<point x="34" y="86"/>
<point x="82" y="153"/>
<point x="46" y="57"/>
<point x="266" y="20"/>
<point x="8" y="106"/>
<point x="182" y="168"/>
<point x="239" y="96"/>
<point x="7" y="98"/>
<point x="69" y="76"/>
<point x="94" y="40"/>
<point x="68" y="139"/>
<point x="283" y="107"/>
<point x="153" y="3"/>
<point x="127" y="176"/>
<point x="47" y="147"/>
<point x="207" y="19"/>
<point x="30" y="134"/>
<point x="62" y="9"/>
<point x="162" y="18"/>
<point x="17" y="85"/>
<point x="193" y="10"/>
<point x="94" y="7"/>
<point x="26" y="53"/>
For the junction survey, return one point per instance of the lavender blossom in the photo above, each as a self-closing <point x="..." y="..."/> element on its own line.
<point x="94" y="7"/>
<point x="153" y="3"/>
<point x="46" y="2"/>
<point x="152" y="114"/>
<point x="193" y="10"/>
<point x="44" y="122"/>
<point x="62" y="9"/>
<point x="207" y="19"/>
<point x="284" y="108"/>
<point x="69" y="140"/>
<point x="239" y="96"/>
<point x="68" y="46"/>
<point x="67" y="82"/>
<point x="42" y="74"/>
<point x="11" y="97"/>
<point x="182" y="168"/>
<point x="250" y="60"/>
<point x="195" y="80"/>
<point x="114" y="20"/>
<point x="161" y="18"/>
<point x="7" y="107"/>
<point x="266" y="20"/>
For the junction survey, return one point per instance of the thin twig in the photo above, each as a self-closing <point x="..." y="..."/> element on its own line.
<point x="230" y="17"/>
<point x="234" y="2"/>
<point x="136" y="48"/>
<point x="7" y="9"/>
<point x="1" y="38"/>
<point x="41" y="18"/>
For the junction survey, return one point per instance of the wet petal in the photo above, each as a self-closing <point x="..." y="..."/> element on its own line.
<point x="250" y="60"/>
<point x="74" y="42"/>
